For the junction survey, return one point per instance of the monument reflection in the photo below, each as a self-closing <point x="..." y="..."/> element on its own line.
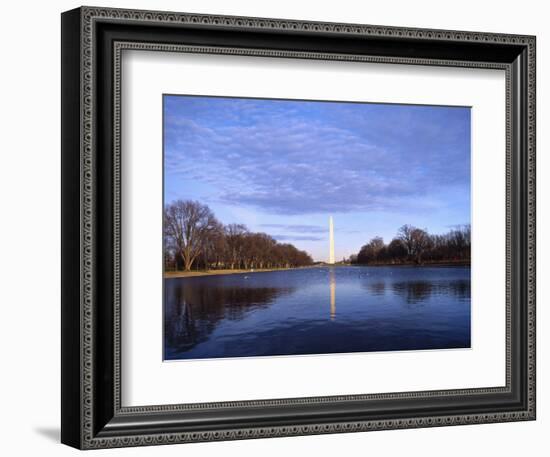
<point x="332" y="285"/>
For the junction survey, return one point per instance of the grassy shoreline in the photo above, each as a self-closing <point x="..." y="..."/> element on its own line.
<point x="192" y="273"/>
<point x="195" y="273"/>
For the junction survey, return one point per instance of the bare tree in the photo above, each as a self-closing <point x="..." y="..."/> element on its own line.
<point x="370" y="251"/>
<point x="396" y="250"/>
<point x="404" y="234"/>
<point x="212" y="244"/>
<point x="421" y="242"/>
<point x="415" y="241"/>
<point x="218" y="247"/>
<point x="188" y="224"/>
<point x="264" y="245"/>
<point x="459" y="241"/>
<point x="234" y="240"/>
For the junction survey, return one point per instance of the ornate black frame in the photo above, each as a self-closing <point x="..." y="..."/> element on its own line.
<point x="92" y="42"/>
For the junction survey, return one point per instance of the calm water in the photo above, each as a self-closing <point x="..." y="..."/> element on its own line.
<point x="317" y="311"/>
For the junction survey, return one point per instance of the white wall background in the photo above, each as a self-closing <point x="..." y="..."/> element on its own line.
<point x="30" y="228"/>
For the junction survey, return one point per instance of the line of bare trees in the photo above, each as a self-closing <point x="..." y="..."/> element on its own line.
<point x="194" y="238"/>
<point x="415" y="245"/>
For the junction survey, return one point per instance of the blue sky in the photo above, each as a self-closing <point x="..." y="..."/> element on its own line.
<point x="284" y="166"/>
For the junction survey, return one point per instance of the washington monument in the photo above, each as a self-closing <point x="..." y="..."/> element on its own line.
<point x="331" y="237"/>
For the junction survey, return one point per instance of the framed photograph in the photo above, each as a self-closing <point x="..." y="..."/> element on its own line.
<point x="274" y="227"/>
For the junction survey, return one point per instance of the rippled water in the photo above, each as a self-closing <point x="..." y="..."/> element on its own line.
<point x="317" y="311"/>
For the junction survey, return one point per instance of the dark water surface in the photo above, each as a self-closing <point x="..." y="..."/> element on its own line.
<point x="317" y="311"/>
